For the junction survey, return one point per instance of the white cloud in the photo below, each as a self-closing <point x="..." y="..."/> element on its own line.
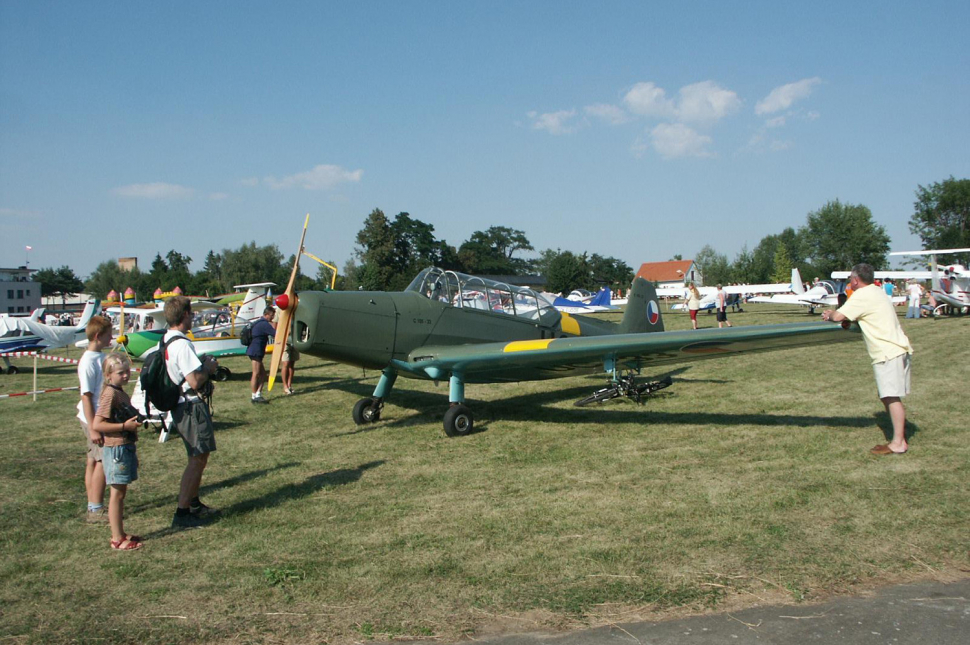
<point x="156" y="190"/>
<point x="322" y="177"/>
<point x="553" y="122"/>
<point x="19" y="214"/>
<point x="646" y="99"/>
<point x="249" y="181"/>
<point x="781" y="98"/>
<point x="677" y="140"/>
<point x="778" y="145"/>
<point x="811" y="116"/>
<point x="218" y="197"/>
<point x="609" y="113"/>
<point x="776" y="122"/>
<point x="706" y="102"/>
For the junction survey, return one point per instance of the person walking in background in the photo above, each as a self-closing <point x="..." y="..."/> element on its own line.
<point x="262" y="331"/>
<point x="913" y="293"/>
<point x="722" y="308"/>
<point x="693" y="301"/>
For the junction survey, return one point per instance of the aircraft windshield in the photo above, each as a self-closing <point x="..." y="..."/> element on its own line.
<point x="472" y="292"/>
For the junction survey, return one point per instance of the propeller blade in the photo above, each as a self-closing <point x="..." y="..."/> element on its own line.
<point x="287" y="304"/>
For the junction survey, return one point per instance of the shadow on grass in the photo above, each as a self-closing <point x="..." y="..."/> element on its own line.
<point x="212" y="486"/>
<point x="885" y="424"/>
<point x="308" y="486"/>
<point x="526" y="407"/>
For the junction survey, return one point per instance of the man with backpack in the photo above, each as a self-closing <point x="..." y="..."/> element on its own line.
<point x="190" y="416"/>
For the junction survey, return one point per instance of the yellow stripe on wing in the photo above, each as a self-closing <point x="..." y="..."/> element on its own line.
<point x="527" y="345"/>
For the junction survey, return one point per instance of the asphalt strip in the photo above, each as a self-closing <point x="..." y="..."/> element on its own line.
<point x="926" y="613"/>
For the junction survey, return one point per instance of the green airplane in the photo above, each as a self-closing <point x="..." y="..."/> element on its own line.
<point x="465" y="329"/>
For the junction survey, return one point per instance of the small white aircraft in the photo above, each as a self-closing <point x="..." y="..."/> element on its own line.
<point x="20" y="334"/>
<point x="822" y="294"/>
<point x="953" y="287"/>
<point x="709" y="294"/>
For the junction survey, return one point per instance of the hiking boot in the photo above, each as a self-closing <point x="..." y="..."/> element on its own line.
<point x="99" y="516"/>
<point x="188" y="521"/>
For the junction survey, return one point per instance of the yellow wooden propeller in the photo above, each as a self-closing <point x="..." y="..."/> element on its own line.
<point x="286" y="303"/>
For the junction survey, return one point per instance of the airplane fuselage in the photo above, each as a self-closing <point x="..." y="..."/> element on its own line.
<point x="371" y="328"/>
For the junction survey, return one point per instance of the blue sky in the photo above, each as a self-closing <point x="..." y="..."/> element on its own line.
<point x="629" y="129"/>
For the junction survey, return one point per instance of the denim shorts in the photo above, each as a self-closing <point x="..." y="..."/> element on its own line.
<point x="120" y="464"/>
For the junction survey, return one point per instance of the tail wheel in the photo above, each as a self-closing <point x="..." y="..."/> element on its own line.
<point x="222" y="374"/>
<point x="367" y="411"/>
<point x="13" y="370"/>
<point x="459" y="421"/>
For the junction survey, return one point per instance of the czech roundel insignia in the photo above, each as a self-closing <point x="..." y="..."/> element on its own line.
<point x="653" y="312"/>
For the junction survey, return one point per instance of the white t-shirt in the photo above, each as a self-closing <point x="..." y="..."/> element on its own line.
<point x="181" y="359"/>
<point x="90" y="375"/>
<point x="914" y="294"/>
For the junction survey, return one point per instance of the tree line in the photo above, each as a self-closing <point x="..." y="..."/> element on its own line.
<point x="389" y="252"/>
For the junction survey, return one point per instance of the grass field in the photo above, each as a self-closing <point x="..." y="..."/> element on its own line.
<point x="747" y="481"/>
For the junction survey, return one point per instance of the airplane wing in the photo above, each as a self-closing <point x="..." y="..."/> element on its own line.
<point x="891" y="275"/>
<point x="487" y="362"/>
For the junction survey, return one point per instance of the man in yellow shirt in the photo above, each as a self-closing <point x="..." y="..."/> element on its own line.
<point x="888" y="347"/>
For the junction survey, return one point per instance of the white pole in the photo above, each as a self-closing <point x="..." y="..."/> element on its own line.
<point x="35" y="377"/>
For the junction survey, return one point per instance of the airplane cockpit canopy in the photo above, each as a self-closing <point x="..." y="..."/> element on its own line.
<point x="473" y="292"/>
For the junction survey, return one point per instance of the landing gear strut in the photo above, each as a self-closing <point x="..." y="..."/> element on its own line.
<point x="626" y="386"/>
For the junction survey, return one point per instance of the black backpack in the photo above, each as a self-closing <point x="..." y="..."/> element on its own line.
<point x="246" y="335"/>
<point x="158" y="387"/>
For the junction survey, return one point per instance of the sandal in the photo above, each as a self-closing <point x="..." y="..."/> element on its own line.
<point x="134" y="538"/>
<point x="125" y="545"/>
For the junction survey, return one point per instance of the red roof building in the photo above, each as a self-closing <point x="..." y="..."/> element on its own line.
<point x="672" y="273"/>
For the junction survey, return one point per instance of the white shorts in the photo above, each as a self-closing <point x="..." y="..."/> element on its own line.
<point x="892" y="376"/>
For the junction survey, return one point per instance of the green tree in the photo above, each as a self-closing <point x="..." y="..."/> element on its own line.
<point x="376" y="249"/>
<point x="838" y="236"/>
<point x="250" y="263"/>
<point x="491" y="252"/>
<point x="783" y="264"/>
<point x="610" y="271"/>
<point x="567" y="271"/>
<point x="742" y="269"/>
<point x="108" y="277"/>
<point x="714" y="266"/>
<point x="59" y="282"/>
<point x="942" y="216"/>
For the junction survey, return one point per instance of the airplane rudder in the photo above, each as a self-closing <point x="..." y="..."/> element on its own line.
<point x="642" y="309"/>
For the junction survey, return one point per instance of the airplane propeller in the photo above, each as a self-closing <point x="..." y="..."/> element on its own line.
<point x="287" y="303"/>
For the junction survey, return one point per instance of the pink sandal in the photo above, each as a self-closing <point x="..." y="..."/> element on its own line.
<point x="126" y="544"/>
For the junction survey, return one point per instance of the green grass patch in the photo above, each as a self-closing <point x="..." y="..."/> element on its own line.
<point x="749" y="478"/>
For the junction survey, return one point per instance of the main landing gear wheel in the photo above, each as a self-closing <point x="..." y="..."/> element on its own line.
<point x="13" y="370"/>
<point x="367" y="411"/>
<point x="459" y="421"/>
<point x="222" y="374"/>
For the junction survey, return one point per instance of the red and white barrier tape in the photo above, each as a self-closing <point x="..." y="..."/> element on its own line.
<point x="53" y="389"/>
<point x="47" y="357"/>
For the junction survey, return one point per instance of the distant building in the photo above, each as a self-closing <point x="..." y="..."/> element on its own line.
<point x="127" y="264"/>
<point x="19" y="294"/>
<point x="671" y="274"/>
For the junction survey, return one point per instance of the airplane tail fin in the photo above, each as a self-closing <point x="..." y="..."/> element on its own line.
<point x="251" y="307"/>
<point x="642" y="310"/>
<point x="796" y="282"/>
<point x="90" y="309"/>
<point x="602" y="298"/>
